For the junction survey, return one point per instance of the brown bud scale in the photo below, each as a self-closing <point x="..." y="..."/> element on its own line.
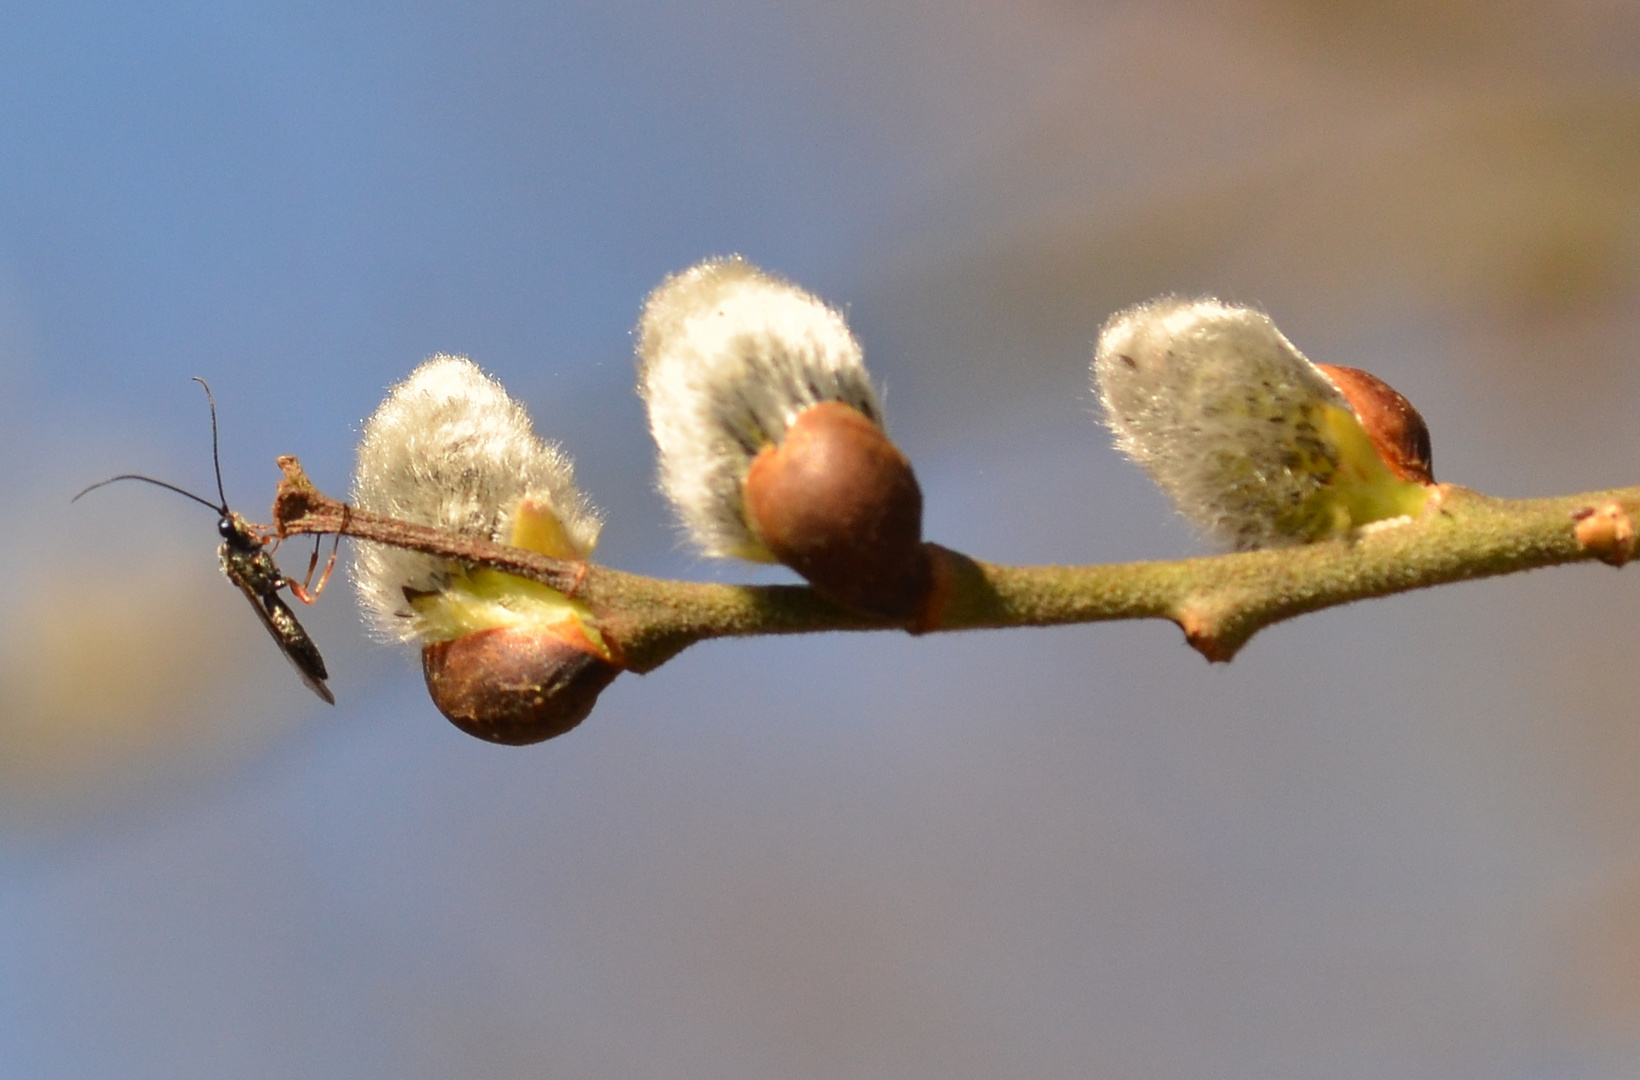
<point x="1396" y="429"/>
<point x="838" y="502"/>
<point x="517" y="685"/>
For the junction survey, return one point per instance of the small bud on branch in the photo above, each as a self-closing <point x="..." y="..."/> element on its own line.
<point x="507" y="658"/>
<point x="771" y="439"/>
<point x="1255" y="445"/>
<point x="449" y="448"/>
<point x="1606" y="532"/>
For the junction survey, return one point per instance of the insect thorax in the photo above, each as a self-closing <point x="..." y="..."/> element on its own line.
<point x="253" y="568"/>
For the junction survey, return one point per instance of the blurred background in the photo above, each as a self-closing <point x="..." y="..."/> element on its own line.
<point x="1395" y="839"/>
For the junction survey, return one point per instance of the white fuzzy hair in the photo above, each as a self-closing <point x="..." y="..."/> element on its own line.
<point x="1223" y="413"/>
<point x="728" y="356"/>
<point x="449" y="448"/>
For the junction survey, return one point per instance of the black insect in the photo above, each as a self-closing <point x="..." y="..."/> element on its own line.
<point x="247" y="563"/>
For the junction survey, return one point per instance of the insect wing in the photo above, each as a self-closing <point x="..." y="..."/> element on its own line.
<point x="293" y="641"/>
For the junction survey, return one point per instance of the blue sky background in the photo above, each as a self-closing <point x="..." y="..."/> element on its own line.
<point x="1397" y="839"/>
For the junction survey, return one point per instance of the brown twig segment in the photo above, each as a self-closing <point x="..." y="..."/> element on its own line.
<point x="1220" y="602"/>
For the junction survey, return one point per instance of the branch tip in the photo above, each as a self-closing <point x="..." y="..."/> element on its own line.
<point x="297" y="501"/>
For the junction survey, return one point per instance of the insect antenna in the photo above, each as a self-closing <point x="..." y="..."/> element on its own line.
<point x="149" y="480"/>
<point x="216" y="457"/>
<point x="216" y="461"/>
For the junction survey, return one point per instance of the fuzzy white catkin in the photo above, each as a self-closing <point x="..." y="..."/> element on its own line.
<point x="449" y="448"/>
<point x="728" y="356"/>
<point x="1226" y="416"/>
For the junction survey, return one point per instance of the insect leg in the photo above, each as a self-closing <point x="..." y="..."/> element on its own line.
<point x="301" y="589"/>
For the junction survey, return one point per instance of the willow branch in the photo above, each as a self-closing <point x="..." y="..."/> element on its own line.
<point x="1219" y="602"/>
